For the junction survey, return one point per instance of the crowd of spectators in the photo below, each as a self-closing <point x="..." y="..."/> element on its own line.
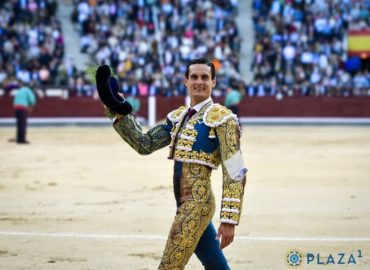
<point x="299" y="45"/>
<point x="300" y="48"/>
<point x="32" y="45"/>
<point x="125" y="35"/>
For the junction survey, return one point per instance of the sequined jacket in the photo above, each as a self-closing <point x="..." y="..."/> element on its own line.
<point x="211" y="137"/>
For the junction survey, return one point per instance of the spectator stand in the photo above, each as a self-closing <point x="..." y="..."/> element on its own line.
<point x="32" y="46"/>
<point x="301" y="49"/>
<point x="148" y="43"/>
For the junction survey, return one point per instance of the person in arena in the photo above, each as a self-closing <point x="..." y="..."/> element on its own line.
<point x="200" y="138"/>
<point x="24" y="102"/>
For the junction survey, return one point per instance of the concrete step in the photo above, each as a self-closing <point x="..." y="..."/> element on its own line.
<point x="71" y="36"/>
<point x="246" y="32"/>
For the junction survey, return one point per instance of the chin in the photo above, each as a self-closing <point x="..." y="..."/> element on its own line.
<point x="198" y="96"/>
<point x="198" y="99"/>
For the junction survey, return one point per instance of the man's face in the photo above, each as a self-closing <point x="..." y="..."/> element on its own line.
<point x="199" y="83"/>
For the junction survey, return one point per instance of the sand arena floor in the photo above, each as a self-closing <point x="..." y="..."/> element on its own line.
<point x="80" y="198"/>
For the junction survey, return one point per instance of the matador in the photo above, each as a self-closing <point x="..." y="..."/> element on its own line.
<point x="200" y="138"/>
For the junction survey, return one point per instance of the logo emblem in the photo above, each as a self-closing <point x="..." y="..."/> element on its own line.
<point x="294" y="258"/>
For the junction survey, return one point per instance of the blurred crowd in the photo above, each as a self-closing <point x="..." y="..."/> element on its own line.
<point x="125" y="35"/>
<point x="32" y="45"/>
<point x="300" y="48"/>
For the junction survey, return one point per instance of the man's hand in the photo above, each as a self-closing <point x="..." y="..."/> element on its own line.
<point x="111" y="114"/>
<point x="226" y="232"/>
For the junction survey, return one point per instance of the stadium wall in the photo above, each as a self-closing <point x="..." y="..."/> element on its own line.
<point x="250" y="107"/>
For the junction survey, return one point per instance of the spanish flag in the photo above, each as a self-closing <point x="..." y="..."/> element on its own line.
<point x="359" y="43"/>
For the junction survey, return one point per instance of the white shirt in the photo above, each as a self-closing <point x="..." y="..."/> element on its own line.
<point x="199" y="106"/>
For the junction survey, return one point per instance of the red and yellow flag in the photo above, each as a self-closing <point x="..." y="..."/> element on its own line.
<point x="359" y="43"/>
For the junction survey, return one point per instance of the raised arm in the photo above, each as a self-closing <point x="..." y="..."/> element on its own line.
<point x="143" y="143"/>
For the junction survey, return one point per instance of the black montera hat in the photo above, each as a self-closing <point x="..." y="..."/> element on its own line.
<point x="108" y="89"/>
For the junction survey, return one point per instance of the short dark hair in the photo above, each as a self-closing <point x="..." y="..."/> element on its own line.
<point x="204" y="61"/>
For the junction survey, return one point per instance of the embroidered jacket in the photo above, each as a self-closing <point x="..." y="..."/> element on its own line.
<point x="211" y="137"/>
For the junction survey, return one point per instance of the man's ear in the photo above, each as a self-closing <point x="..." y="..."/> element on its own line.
<point x="186" y="82"/>
<point x="214" y="82"/>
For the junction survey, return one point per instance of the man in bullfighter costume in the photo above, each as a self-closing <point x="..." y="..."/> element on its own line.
<point x="201" y="137"/>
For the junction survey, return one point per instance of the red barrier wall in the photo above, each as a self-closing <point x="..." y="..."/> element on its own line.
<point x="263" y="107"/>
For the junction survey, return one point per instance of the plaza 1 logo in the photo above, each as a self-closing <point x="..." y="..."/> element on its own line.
<point x="296" y="259"/>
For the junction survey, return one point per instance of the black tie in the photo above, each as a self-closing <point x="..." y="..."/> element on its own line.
<point x="190" y="113"/>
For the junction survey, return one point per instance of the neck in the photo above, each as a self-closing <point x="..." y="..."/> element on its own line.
<point x="195" y="102"/>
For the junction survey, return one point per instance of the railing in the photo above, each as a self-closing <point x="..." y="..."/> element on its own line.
<point x="154" y="109"/>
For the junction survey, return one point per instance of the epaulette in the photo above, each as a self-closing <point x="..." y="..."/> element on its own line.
<point x="216" y="115"/>
<point x="175" y="115"/>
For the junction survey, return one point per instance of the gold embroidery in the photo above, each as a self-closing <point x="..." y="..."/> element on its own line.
<point x="233" y="190"/>
<point x="211" y="133"/>
<point x="144" y="143"/>
<point x="200" y="191"/>
<point x="194" y="156"/>
<point x="192" y="122"/>
<point x="177" y="130"/>
<point x="190" y="132"/>
<point x="175" y="115"/>
<point x="230" y="215"/>
<point x="217" y="115"/>
<point x="228" y="135"/>
<point x="231" y="205"/>
<point x="195" y="170"/>
<point x="185" y="143"/>
<point x="192" y="218"/>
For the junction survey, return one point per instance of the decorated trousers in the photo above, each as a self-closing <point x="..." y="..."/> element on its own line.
<point x="192" y="230"/>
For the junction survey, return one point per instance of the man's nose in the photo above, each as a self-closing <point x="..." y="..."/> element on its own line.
<point x="199" y="81"/>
